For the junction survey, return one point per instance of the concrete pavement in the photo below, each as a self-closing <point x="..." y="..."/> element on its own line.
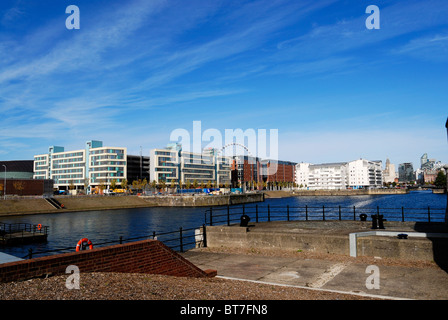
<point x="347" y="276"/>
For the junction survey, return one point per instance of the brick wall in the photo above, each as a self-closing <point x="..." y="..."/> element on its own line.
<point x="147" y="256"/>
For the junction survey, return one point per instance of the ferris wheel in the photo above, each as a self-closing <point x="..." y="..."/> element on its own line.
<point x="235" y="144"/>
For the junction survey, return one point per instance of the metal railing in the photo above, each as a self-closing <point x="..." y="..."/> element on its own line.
<point x="267" y="213"/>
<point x="17" y="230"/>
<point x="178" y="240"/>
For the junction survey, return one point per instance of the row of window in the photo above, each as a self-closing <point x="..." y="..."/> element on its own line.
<point x="102" y="151"/>
<point x="107" y="157"/>
<point x="68" y="155"/>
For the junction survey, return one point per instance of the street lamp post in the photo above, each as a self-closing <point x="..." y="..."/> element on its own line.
<point x="446" y="176"/>
<point x="446" y="191"/>
<point x="4" y="185"/>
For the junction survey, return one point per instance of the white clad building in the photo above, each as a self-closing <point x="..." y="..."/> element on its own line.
<point x="302" y="175"/>
<point x="90" y="167"/>
<point x="340" y="175"/>
<point x="164" y="165"/>
<point x="365" y="174"/>
<point x="331" y="176"/>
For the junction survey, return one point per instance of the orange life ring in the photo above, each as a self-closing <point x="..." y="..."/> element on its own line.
<point x="39" y="226"/>
<point x="82" y="243"/>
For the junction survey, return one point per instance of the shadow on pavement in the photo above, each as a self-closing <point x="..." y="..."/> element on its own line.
<point x="440" y="245"/>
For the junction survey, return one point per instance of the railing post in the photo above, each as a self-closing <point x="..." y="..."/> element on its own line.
<point x="180" y="240"/>
<point x="269" y="214"/>
<point x="340" y="216"/>
<point x="354" y="212"/>
<point x="228" y="215"/>
<point x="287" y="210"/>
<point x="306" y="212"/>
<point x="323" y="213"/>
<point x="402" y="214"/>
<point x="30" y="253"/>
<point x="121" y="239"/>
<point x="256" y="213"/>
<point x="204" y="235"/>
<point x="429" y="215"/>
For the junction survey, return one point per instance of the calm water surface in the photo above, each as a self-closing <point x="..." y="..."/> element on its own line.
<point x="66" y="228"/>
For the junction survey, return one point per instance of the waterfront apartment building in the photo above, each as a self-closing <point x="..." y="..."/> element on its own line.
<point x="253" y="172"/>
<point x="93" y="166"/>
<point x="278" y="171"/>
<point x="331" y="176"/>
<point x="406" y="172"/>
<point x="355" y="174"/>
<point x="365" y="174"/>
<point x="172" y="165"/>
<point x="247" y="171"/>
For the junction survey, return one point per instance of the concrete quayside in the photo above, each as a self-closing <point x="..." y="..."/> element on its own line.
<point x="425" y="241"/>
<point x="85" y="203"/>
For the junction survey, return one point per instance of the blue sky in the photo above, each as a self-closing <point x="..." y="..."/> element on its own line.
<point x="137" y="70"/>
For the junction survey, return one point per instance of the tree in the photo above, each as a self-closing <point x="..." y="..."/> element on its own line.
<point x="102" y="186"/>
<point x="113" y="184"/>
<point x="440" y="180"/>
<point x="86" y="184"/>
<point x="163" y="185"/>
<point x="124" y="183"/>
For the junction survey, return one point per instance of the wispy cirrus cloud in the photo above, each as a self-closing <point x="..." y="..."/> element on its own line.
<point x="431" y="48"/>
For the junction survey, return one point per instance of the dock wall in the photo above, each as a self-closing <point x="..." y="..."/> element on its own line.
<point x="324" y="240"/>
<point x="203" y="200"/>
<point x="147" y="256"/>
<point x="86" y="203"/>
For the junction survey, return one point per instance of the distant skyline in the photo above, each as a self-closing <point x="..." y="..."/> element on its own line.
<point x="137" y="70"/>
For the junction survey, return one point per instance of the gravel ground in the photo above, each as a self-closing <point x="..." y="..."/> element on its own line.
<point x="122" y="286"/>
<point x="118" y="286"/>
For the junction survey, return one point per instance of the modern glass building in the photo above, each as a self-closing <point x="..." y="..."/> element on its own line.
<point x="93" y="166"/>
<point x="173" y="165"/>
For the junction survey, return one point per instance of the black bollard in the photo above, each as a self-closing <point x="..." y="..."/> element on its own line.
<point x="244" y="220"/>
<point x="363" y="217"/>
<point x="380" y="222"/>
<point x="374" y="221"/>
